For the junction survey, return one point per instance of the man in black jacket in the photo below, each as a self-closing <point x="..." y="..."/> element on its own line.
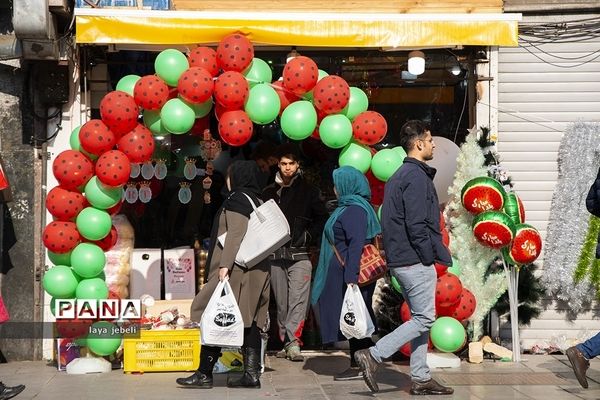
<point x="291" y="268"/>
<point x="413" y="244"/>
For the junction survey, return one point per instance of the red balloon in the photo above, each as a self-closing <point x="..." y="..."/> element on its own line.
<point x="96" y="138"/>
<point x="114" y="210"/>
<point x="109" y="241"/>
<point x="405" y="312"/>
<point x="231" y="90"/>
<point x="300" y="75"/>
<point x="465" y="306"/>
<point x="406" y="349"/>
<point x="331" y="94"/>
<point x="73" y="328"/>
<point x="440" y="269"/>
<point x="234" y="53"/>
<point x="219" y="110"/>
<point x="64" y="204"/>
<point x="138" y="145"/>
<point x="200" y="125"/>
<point x="119" y="111"/>
<point x="150" y="92"/>
<point x="72" y="169"/>
<point x="204" y="57"/>
<point x="448" y="290"/>
<point x="446" y="238"/>
<point x="285" y="96"/>
<point x="377" y="187"/>
<point x="196" y="85"/>
<point x="235" y="128"/>
<point x="173" y="93"/>
<point x="113" y="168"/>
<point x="369" y="127"/>
<point x="61" y="236"/>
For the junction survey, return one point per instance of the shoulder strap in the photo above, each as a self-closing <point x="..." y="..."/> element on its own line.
<point x="259" y="215"/>
<point x="337" y="254"/>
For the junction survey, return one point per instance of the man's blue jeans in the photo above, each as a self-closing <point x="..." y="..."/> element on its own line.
<point x="591" y="347"/>
<point x="418" y="286"/>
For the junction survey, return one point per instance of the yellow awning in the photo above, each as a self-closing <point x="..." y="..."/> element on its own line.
<point x="143" y="27"/>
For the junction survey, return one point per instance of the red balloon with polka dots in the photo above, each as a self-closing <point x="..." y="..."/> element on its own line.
<point x="109" y="241"/>
<point x="119" y="111"/>
<point x="113" y="168"/>
<point x="235" y="53"/>
<point x="61" y="236"/>
<point x="331" y="94"/>
<point x="64" y="204"/>
<point x="150" y="92"/>
<point x="300" y="75"/>
<point x="448" y="290"/>
<point x="231" y="90"/>
<point x="72" y="169"/>
<point x="204" y="57"/>
<point x="196" y="85"/>
<point x="138" y="145"/>
<point x="369" y="128"/>
<point x="95" y="137"/>
<point x="235" y="128"/>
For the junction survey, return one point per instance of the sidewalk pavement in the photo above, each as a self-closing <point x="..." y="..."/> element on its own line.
<point x="544" y="377"/>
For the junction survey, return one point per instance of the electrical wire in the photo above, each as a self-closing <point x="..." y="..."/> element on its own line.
<point x="461" y="114"/>
<point x="559" y="57"/>
<point x="516" y="113"/>
<point x="559" y="65"/>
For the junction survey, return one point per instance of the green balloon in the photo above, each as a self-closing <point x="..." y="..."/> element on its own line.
<point x="177" y="116"/>
<point x="81" y="341"/>
<point x="169" y="65"/>
<point x="201" y="109"/>
<point x="92" y="289"/>
<point x="76" y="144"/>
<point x="455" y="268"/>
<point x="88" y="260"/>
<point x="447" y="334"/>
<point x="310" y="95"/>
<point x="335" y="131"/>
<point x="154" y="123"/>
<point x="127" y="83"/>
<point x="384" y="163"/>
<point x="93" y="224"/>
<point x="400" y="151"/>
<point x="258" y="72"/>
<point x="53" y="306"/>
<point x="100" y="195"/>
<point x="60" y="259"/>
<point x="359" y="102"/>
<point x="356" y="155"/>
<point x="299" y="120"/>
<point x="396" y="285"/>
<point x="60" y="282"/>
<point x="379" y="211"/>
<point x="263" y="104"/>
<point x="102" y="338"/>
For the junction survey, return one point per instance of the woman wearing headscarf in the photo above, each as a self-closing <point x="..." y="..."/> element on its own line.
<point x="250" y="286"/>
<point x="351" y="225"/>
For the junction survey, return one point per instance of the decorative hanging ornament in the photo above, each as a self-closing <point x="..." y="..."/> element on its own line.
<point x="135" y="170"/>
<point x="189" y="171"/>
<point x="131" y="193"/>
<point x="147" y="170"/>
<point x="206" y="184"/>
<point x="210" y="148"/>
<point x="514" y="208"/>
<point x="493" y="229"/>
<point x="145" y="193"/>
<point x="527" y="244"/>
<point x="160" y="169"/>
<point x="185" y="193"/>
<point x="482" y="194"/>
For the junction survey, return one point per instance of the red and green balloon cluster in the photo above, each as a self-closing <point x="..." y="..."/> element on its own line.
<point x="500" y="220"/>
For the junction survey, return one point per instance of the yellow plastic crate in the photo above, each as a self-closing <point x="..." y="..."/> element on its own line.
<point x="162" y="351"/>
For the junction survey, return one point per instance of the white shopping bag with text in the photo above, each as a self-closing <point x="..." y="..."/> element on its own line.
<point x="355" y="321"/>
<point x="221" y="323"/>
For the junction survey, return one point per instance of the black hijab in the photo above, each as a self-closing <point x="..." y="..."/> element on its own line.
<point x="244" y="177"/>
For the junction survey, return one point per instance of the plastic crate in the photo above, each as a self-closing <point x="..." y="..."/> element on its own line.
<point x="162" y="351"/>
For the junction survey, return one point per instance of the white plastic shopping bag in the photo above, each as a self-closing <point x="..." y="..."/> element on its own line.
<point x="221" y="323"/>
<point x="355" y="321"/>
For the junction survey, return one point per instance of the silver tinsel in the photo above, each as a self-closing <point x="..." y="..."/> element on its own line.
<point x="578" y="162"/>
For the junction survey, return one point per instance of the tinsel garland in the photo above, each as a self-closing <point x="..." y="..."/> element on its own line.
<point x="578" y="161"/>
<point x="588" y="264"/>
<point x="473" y="258"/>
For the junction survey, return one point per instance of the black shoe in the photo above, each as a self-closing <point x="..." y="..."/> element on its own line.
<point x="246" y="381"/>
<point x="580" y="365"/>
<point x="252" y="367"/>
<point x="196" y="381"/>
<point x="431" y="387"/>
<point x="368" y="365"/>
<point x="8" y="392"/>
<point x="351" y="374"/>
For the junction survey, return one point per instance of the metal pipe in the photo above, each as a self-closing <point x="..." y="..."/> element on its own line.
<point x="10" y="47"/>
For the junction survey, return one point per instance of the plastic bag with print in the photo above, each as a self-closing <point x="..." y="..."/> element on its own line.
<point x="221" y="323"/>
<point x="355" y="321"/>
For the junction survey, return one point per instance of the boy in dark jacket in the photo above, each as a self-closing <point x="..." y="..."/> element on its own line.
<point x="291" y="269"/>
<point x="413" y="243"/>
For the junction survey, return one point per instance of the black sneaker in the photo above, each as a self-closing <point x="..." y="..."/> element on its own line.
<point x="429" y="388"/>
<point x="368" y="366"/>
<point x="351" y="374"/>
<point x="8" y="392"/>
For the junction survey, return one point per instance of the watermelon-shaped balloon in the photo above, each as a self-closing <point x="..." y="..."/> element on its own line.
<point x="482" y="194"/>
<point x="527" y="244"/>
<point x="514" y="208"/>
<point x="493" y="229"/>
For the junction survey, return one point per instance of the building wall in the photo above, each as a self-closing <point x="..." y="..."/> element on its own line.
<point x="538" y="97"/>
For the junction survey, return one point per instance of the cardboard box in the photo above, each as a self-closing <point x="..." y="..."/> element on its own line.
<point x="145" y="274"/>
<point x="180" y="274"/>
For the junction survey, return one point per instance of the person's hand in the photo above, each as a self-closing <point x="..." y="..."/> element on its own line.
<point x="223" y="273"/>
<point x="351" y="285"/>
